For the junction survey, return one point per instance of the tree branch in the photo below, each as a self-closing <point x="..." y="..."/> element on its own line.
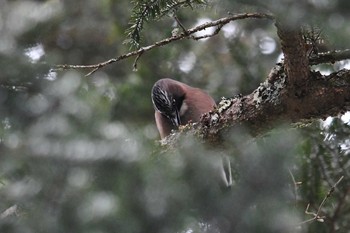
<point x="271" y="104"/>
<point x="295" y="58"/>
<point x="184" y="35"/>
<point x="216" y="31"/>
<point x="330" y="57"/>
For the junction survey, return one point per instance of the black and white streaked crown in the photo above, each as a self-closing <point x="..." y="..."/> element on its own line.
<point x="162" y="101"/>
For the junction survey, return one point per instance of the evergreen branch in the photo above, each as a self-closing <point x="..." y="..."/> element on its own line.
<point x="145" y="10"/>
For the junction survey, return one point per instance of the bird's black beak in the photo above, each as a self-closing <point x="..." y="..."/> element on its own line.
<point x="175" y="120"/>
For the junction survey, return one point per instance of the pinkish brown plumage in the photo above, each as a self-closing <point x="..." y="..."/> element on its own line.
<point x="176" y="103"/>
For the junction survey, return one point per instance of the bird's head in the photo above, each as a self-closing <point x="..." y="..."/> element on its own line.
<point x="167" y="99"/>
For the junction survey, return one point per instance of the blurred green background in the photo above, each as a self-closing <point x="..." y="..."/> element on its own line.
<point x="80" y="154"/>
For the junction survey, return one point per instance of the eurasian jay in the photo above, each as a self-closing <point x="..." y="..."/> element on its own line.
<point x="176" y="103"/>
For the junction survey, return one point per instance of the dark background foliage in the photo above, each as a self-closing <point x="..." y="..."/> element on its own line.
<point x="79" y="154"/>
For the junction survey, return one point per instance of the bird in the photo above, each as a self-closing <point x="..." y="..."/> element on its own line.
<point x="176" y="103"/>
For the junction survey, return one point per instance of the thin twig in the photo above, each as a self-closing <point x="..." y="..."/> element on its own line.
<point x="295" y="186"/>
<point x="184" y="35"/>
<point x="316" y="216"/>
<point x="180" y="24"/>
<point x="136" y="60"/>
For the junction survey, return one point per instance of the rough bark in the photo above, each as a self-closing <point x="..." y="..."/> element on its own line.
<point x="296" y="62"/>
<point x="271" y="104"/>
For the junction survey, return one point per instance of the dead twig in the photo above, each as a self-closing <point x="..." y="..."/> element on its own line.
<point x="134" y="66"/>
<point x="316" y="216"/>
<point x="180" y="24"/>
<point x="295" y="184"/>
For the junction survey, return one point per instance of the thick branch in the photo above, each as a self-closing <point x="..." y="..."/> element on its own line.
<point x="295" y="58"/>
<point x="271" y="104"/>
